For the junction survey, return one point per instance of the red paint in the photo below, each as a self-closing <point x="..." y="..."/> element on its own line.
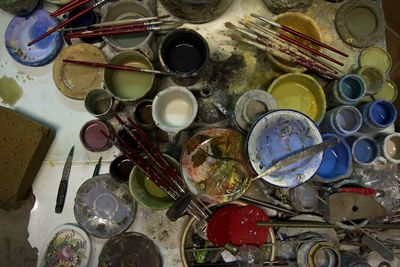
<point x="92" y="138"/>
<point x="217" y="225"/>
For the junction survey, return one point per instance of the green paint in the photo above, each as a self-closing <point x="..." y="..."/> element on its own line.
<point x="10" y="91"/>
<point x="132" y="85"/>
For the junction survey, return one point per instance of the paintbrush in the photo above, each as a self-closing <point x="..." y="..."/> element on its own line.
<point x="113" y="66"/>
<point x="66" y="22"/>
<point x="298" y="34"/>
<point x="115" y="23"/>
<point x="68" y="7"/>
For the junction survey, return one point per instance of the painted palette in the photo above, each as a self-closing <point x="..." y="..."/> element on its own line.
<point x="214" y="165"/>
<point x="21" y="30"/>
<point x="104" y="207"/>
<point x="277" y="135"/>
<point x="67" y="245"/>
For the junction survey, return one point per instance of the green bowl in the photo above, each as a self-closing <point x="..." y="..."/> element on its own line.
<point x="146" y="192"/>
<point x="300" y="92"/>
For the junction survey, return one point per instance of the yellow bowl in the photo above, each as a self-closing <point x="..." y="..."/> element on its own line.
<point x="300" y="23"/>
<point x="300" y="92"/>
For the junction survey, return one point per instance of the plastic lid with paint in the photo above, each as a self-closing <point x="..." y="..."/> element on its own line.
<point x="376" y="57"/>
<point x="21" y="30"/>
<point x="388" y="92"/>
<point x="92" y="137"/>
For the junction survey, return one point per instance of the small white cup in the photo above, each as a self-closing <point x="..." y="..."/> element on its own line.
<point x="390" y="146"/>
<point x="174" y="109"/>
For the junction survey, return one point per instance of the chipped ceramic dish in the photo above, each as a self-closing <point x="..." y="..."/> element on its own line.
<point x="104" y="207"/>
<point x="277" y="135"/>
<point x="67" y="245"/>
<point x="214" y="165"/>
<point x="21" y="30"/>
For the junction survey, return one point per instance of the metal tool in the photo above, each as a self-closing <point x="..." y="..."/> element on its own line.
<point x="97" y="168"/>
<point x="62" y="189"/>
<point x="300" y="155"/>
<point x="267" y="205"/>
<point x="310" y="224"/>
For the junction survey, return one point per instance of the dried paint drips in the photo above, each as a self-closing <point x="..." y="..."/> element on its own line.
<point x="10" y="91"/>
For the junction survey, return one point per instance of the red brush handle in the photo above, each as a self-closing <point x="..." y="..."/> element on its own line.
<point x="106" y="33"/>
<point x="308" y="38"/>
<point x="312" y="50"/>
<point x="358" y="190"/>
<point x="68" y="7"/>
<point x="59" y="26"/>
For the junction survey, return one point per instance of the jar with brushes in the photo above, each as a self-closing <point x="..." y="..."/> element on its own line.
<point x="349" y="90"/>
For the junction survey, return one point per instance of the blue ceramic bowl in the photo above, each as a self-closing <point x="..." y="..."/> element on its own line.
<point x="275" y="136"/>
<point x="21" y="30"/>
<point x="336" y="162"/>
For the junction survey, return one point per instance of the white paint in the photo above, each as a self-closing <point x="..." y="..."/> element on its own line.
<point x="178" y="112"/>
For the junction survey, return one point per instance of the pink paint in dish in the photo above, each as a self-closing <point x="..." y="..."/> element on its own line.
<point x="92" y="138"/>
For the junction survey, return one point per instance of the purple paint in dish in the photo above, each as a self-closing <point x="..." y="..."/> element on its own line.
<point x="92" y="138"/>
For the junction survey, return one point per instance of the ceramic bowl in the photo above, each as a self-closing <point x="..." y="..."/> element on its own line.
<point x="104" y="207"/>
<point x="146" y="192"/>
<point x="301" y="23"/>
<point x="336" y="163"/>
<point x="214" y="165"/>
<point x="67" y="239"/>
<point x="125" y="85"/>
<point x="300" y="92"/>
<point x="277" y="135"/>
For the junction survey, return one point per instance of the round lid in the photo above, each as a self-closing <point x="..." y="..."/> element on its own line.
<point x="75" y="81"/>
<point x="360" y="23"/>
<point x="388" y="92"/>
<point x="21" y="30"/>
<point x="376" y="57"/>
<point x="67" y="245"/>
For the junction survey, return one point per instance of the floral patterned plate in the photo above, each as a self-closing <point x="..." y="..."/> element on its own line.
<point x="67" y="245"/>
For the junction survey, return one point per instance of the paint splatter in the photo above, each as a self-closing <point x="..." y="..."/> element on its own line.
<point x="10" y="91"/>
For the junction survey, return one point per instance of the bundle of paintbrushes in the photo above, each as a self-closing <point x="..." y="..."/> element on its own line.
<point x="160" y="171"/>
<point x="129" y="26"/>
<point x="287" y="48"/>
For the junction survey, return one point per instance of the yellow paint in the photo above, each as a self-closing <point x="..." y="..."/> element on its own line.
<point x="292" y="95"/>
<point x="153" y="189"/>
<point x="10" y="91"/>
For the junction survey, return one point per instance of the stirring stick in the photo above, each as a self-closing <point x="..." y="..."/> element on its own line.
<point x="113" y="66"/>
<point x="62" y="24"/>
<point x="299" y="34"/>
<point x="116" y="23"/>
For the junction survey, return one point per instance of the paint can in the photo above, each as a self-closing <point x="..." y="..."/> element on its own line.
<point x="120" y="169"/>
<point x="127" y="9"/>
<point x="373" y="78"/>
<point x="349" y="90"/>
<point x="252" y="105"/>
<point x="92" y="138"/>
<point x="318" y="253"/>
<point x="128" y="85"/>
<point x="344" y="121"/>
<point x="199" y="11"/>
<point x="142" y="114"/>
<point x="390" y="147"/>
<point x="389" y="92"/>
<point x="377" y="115"/>
<point x="184" y="54"/>
<point x="336" y="162"/>
<point x="99" y="103"/>
<point x="174" y="109"/>
<point x="91" y="17"/>
<point x="366" y="151"/>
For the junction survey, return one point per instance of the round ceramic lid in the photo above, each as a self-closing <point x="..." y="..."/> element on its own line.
<point x="388" y="92"/>
<point x="21" y="30"/>
<point x="75" y="81"/>
<point x="277" y="135"/>
<point x="67" y="245"/>
<point x="130" y="249"/>
<point x="104" y="207"/>
<point x="214" y="165"/>
<point x="360" y="23"/>
<point x="376" y="57"/>
<point x="251" y="105"/>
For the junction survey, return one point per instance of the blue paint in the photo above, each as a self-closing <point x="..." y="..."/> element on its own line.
<point x="352" y="88"/>
<point x="365" y="150"/>
<point x="87" y="19"/>
<point x="21" y="30"/>
<point x="336" y="162"/>
<point x="383" y="113"/>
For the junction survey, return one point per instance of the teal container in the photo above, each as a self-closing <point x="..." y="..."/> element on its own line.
<point x="343" y="121"/>
<point x="377" y="115"/>
<point x="349" y="90"/>
<point x="19" y="7"/>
